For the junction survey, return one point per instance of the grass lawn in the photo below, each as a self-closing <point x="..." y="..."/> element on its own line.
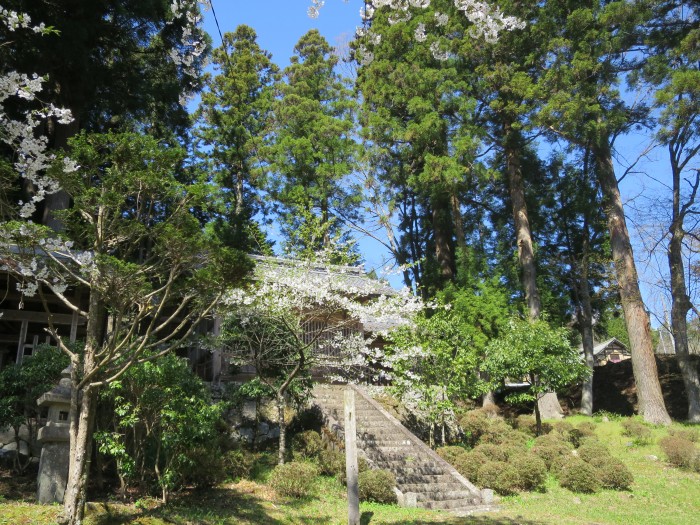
<point x="660" y="495"/>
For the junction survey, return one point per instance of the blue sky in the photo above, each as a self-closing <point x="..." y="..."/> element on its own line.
<point x="280" y="23"/>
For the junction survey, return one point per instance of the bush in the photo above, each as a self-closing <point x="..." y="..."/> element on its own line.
<point x="331" y="462"/>
<point x="680" y="452"/>
<point x="377" y="485"/>
<point x="488" y="473"/>
<point x="591" y="450"/>
<point x="294" y="479"/>
<point x="307" y="444"/>
<point x="548" y="449"/>
<point x="526" y="423"/>
<point x="691" y="434"/>
<point x="450" y="453"/>
<point x="468" y="465"/>
<point x="638" y="431"/>
<point x="491" y="452"/>
<point x="474" y="423"/>
<point x="237" y="464"/>
<point x="579" y="476"/>
<point x="203" y="468"/>
<point x="531" y="472"/>
<point x="581" y="433"/>
<point x="563" y="427"/>
<point x="613" y="473"/>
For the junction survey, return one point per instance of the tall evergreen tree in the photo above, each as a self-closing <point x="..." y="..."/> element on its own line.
<point x="587" y="52"/>
<point x="673" y="38"/>
<point x="235" y="114"/>
<point x="313" y="152"/>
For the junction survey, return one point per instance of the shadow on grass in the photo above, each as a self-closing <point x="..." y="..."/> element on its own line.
<point x="216" y="505"/>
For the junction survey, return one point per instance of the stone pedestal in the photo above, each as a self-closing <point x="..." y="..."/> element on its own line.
<point x="55" y="440"/>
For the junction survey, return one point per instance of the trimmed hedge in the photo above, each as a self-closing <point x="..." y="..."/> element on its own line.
<point x="377" y="485"/>
<point x="294" y="479"/>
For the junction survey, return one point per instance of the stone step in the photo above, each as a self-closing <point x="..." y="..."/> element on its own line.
<point x="435" y="490"/>
<point x="446" y="504"/>
<point x="383" y="442"/>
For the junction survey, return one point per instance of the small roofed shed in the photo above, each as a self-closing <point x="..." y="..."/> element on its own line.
<point x="610" y="351"/>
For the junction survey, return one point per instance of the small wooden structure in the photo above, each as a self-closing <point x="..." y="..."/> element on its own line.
<point x="610" y="351"/>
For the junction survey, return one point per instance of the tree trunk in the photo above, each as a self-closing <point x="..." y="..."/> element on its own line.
<point x="442" y="231"/>
<point x="680" y="302"/>
<point x="78" y="469"/>
<point x="548" y="404"/>
<point x="650" y="398"/>
<point x="283" y="430"/>
<point x="585" y="321"/>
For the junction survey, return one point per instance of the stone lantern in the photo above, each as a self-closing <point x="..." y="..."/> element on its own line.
<point x="55" y="440"/>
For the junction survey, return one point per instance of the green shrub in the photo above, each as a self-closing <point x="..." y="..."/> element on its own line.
<point x="680" y="452"/>
<point x="500" y="432"/>
<point x="526" y="423"/>
<point x="474" y="423"/>
<point x="491" y="452"/>
<point x="450" y="453"/>
<point x="559" y="463"/>
<point x="638" y="431"/>
<point x="578" y="476"/>
<point x="592" y="449"/>
<point x="238" y="464"/>
<point x="488" y="473"/>
<point x="563" y="428"/>
<point x="468" y="465"/>
<point x="581" y="433"/>
<point x="691" y="434"/>
<point x="531" y="472"/>
<point x="548" y="449"/>
<point x="612" y="473"/>
<point x="331" y="462"/>
<point x="377" y="485"/>
<point x="307" y="444"/>
<point x="294" y="479"/>
<point x="202" y="468"/>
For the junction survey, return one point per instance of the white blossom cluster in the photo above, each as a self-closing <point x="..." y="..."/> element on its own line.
<point x="32" y="158"/>
<point x="192" y="41"/>
<point x="13" y="20"/>
<point x="324" y="292"/>
<point x="487" y="22"/>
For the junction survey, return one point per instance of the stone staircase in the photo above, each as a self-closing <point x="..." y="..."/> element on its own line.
<point x="423" y="478"/>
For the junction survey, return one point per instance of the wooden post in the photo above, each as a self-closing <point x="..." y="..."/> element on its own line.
<point x="351" y="458"/>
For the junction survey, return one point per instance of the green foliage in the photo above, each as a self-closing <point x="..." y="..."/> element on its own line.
<point x="534" y="351"/>
<point x="680" y="452"/>
<point x="550" y="449"/>
<point x="312" y="151"/>
<point x="307" y="444"/>
<point x="578" y="476"/>
<point x="377" y="485"/>
<point x="612" y="473"/>
<point x="451" y="453"/>
<point x="20" y="387"/>
<point x="294" y="479"/>
<point x="332" y="462"/>
<point x="164" y="428"/>
<point x="235" y="111"/>
<point x="640" y="433"/>
<point x="238" y="464"/>
<point x="591" y="450"/>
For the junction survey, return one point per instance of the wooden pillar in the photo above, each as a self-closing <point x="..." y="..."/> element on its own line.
<point x="351" y="458"/>
<point x="22" y="338"/>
